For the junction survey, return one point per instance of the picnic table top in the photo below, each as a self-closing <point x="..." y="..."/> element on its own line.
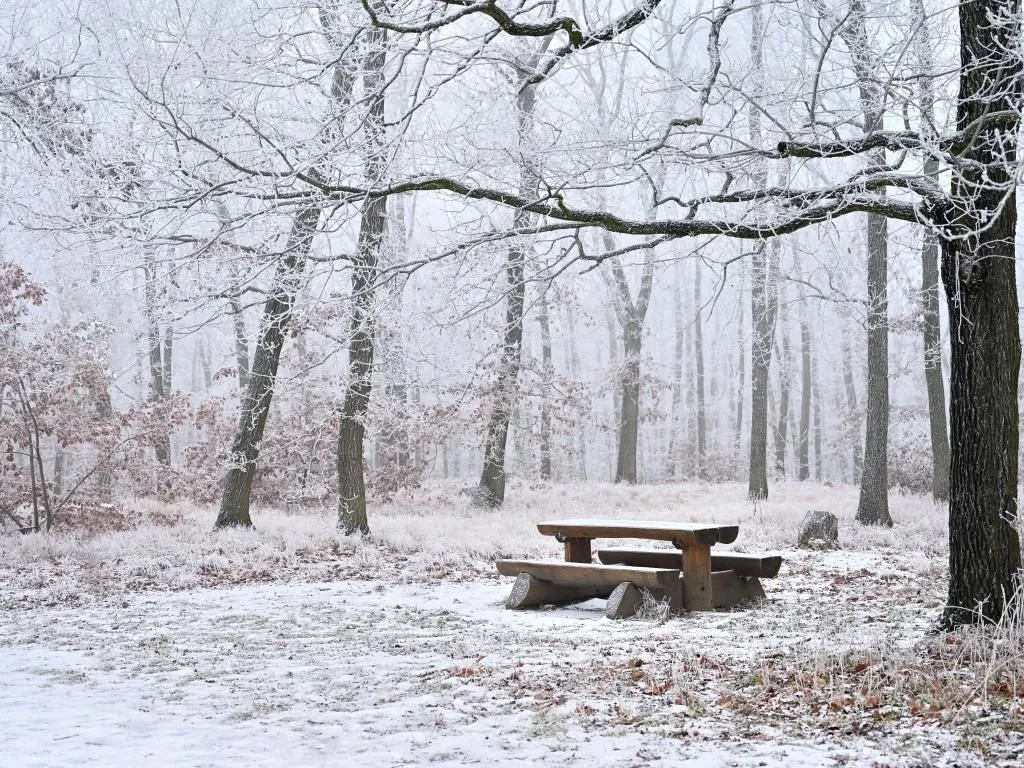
<point x="683" y="533"/>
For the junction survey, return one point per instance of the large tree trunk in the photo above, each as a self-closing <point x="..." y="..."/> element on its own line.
<point x="365" y="270"/>
<point x="873" y="505"/>
<point x="979" y="275"/>
<point x="763" y="305"/>
<point x="277" y="313"/>
<point x="762" y="289"/>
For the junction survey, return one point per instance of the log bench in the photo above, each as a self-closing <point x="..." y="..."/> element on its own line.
<point x="689" y="578"/>
<point x="551" y="582"/>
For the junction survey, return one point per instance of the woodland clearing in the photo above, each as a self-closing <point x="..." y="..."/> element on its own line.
<point x="291" y="644"/>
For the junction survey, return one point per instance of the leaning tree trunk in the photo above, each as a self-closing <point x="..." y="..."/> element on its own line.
<point x="365" y="270"/>
<point x="277" y="313"/>
<point x="978" y="230"/>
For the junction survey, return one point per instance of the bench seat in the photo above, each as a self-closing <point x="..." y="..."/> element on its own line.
<point x="590" y="574"/>
<point x="756" y="566"/>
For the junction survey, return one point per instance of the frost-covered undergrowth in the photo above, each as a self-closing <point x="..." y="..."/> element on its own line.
<point x="293" y="645"/>
<point x="435" y="534"/>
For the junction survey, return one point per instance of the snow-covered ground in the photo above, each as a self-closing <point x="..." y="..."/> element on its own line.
<point x="289" y="645"/>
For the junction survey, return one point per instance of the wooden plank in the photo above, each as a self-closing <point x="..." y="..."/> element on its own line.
<point x="729" y="589"/>
<point x="589" y="574"/>
<point x="758" y="566"/>
<point x="658" y="530"/>
<point x="578" y="551"/>
<point x="530" y="592"/>
<point x="697" y="588"/>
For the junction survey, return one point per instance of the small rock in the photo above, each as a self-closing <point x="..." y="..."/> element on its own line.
<point x="819" y="530"/>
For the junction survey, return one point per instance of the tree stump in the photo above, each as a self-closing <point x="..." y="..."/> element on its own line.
<point x="819" y="530"/>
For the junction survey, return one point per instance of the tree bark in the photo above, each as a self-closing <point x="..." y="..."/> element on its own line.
<point x="978" y="231"/>
<point x="763" y="304"/>
<point x="277" y="313"/>
<point x="873" y="505"/>
<point x="352" y="516"/>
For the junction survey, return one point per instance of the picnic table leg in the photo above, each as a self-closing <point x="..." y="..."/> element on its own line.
<point x="697" y="577"/>
<point x="577" y="550"/>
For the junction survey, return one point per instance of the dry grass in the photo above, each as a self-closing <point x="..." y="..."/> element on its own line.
<point x="434" y="534"/>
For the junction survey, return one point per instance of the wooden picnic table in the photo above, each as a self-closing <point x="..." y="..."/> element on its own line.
<point x="691" y="578"/>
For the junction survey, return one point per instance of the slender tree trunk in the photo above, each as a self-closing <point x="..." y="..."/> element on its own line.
<point x="491" y="491"/>
<point x="979" y="275"/>
<point x="698" y="354"/>
<point x="629" y="426"/>
<point x="785" y="367"/>
<point x="741" y="371"/>
<point x="157" y="373"/>
<point x="818" y="415"/>
<point x="277" y="313"/>
<point x="930" y="322"/>
<point x="850" y="390"/>
<point x="873" y="505"/>
<point x="803" y="444"/>
<point x="762" y="299"/>
<point x="676" y="429"/>
<point x="574" y="369"/>
<point x="547" y="365"/>
<point x="352" y="516"/>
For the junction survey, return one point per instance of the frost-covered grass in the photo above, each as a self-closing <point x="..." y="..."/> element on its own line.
<point x="298" y="645"/>
<point x="434" y="533"/>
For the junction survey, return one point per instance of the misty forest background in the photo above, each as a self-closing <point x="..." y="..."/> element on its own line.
<point x="146" y="250"/>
